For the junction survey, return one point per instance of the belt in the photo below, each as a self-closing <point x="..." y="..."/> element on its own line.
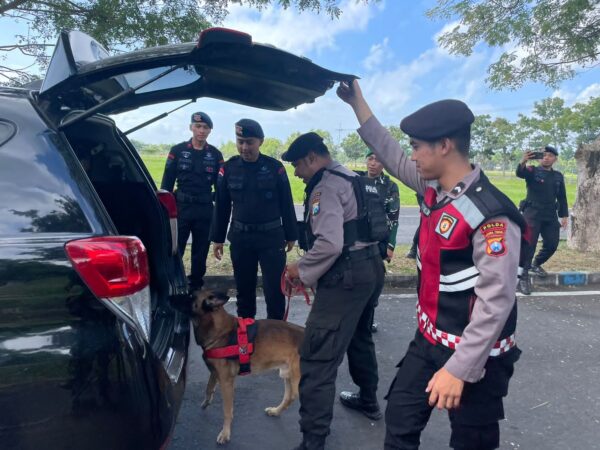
<point x="451" y="341"/>
<point x="266" y="226"/>
<point x="189" y="198"/>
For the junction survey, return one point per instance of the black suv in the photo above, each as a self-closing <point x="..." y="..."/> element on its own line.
<point x="93" y="350"/>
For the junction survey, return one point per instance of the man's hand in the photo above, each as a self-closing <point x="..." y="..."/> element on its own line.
<point x="390" y="255"/>
<point x="290" y="246"/>
<point x="526" y="157"/>
<point x="564" y="221"/>
<point x="218" y="250"/>
<point x="350" y="93"/>
<point x="292" y="271"/>
<point x="445" y="390"/>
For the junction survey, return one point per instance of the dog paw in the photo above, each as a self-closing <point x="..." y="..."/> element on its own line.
<point x="272" y="411"/>
<point x="223" y="437"/>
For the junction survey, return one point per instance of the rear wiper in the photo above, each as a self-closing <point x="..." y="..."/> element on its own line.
<point x="94" y="109"/>
<point x="154" y="119"/>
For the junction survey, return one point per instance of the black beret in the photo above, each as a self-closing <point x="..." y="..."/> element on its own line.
<point x="202" y="117"/>
<point x="549" y="148"/>
<point x="437" y="120"/>
<point x="248" y="128"/>
<point x="304" y="144"/>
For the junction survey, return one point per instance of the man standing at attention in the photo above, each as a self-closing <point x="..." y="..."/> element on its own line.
<point x="254" y="191"/>
<point x="194" y="164"/>
<point x="344" y="263"/>
<point x="462" y="356"/>
<point x="546" y="196"/>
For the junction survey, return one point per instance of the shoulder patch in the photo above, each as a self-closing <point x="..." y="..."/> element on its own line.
<point x="222" y="171"/>
<point x="494" y="233"/>
<point x="315" y="206"/>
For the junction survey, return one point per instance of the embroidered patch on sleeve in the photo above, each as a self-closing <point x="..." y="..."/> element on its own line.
<point x="222" y="171"/>
<point x="494" y="233"/>
<point x="315" y="204"/>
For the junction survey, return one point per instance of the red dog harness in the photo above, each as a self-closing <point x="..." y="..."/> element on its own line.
<point x="242" y="350"/>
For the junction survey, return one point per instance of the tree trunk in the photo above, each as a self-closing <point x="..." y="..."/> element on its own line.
<point x="585" y="218"/>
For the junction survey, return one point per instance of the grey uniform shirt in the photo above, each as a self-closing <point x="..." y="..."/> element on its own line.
<point x="332" y="203"/>
<point x="496" y="286"/>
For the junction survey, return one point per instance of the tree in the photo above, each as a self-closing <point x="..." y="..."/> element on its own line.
<point x="546" y="39"/>
<point x="123" y="24"/>
<point x="353" y="146"/>
<point x="272" y="147"/>
<point x="481" y="149"/>
<point x="585" y="121"/>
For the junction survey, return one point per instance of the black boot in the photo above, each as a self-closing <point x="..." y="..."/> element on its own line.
<point x="412" y="253"/>
<point x="539" y="271"/>
<point x="312" y="442"/>
<point x="524" y="285"/>
<point x="369" y="408"/>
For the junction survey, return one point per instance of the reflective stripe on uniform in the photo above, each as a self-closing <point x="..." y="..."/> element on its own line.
<point x="451" y="341"/>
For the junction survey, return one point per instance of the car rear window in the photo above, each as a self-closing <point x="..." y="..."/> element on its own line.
<point x="39" y="186"/>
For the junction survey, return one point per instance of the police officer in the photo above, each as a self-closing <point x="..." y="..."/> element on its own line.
<point x="470" y="236"/>
<point x="346" y="267"/>
<point x="253" y="189"/>
<point x="391" y="200"/>
<point x="546" y="195"/>
<point x="194" y="164"/>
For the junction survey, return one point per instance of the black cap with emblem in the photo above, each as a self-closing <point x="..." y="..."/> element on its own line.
<point x="248" y="128"/>
<point x="303" y="144"/>
<point x="200" y="116"/>
<point x="549" y="148"/>
<point x="440" y="119"/>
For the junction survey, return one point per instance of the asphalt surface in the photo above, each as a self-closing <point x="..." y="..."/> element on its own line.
<point x="553" y="402"/>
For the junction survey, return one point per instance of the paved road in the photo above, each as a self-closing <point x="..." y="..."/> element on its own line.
<point x="553" y="402"/>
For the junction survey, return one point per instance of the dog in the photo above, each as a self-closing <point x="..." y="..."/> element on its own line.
<point x="276" y="346"/>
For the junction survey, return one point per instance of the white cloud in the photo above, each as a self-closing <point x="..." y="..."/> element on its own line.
<point x="299" y="33"/>
<point x="378" y="54"/>
<point x="593" y="90"/>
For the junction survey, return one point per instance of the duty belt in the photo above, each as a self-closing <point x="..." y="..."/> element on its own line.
<point x="188" y="198"/>
<point x="266" y="226"/>
<point x="362" y="254"/>
<point x="451" y="341"/>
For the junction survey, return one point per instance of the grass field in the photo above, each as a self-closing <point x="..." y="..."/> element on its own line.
<point x="509" y="184"/>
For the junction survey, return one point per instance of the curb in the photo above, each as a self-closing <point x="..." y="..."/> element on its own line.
<point x="410" y="281"/>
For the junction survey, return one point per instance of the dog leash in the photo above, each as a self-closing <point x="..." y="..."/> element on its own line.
<point x="290" y="289"/>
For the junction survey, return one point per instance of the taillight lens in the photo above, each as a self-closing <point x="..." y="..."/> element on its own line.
<point x="111" y="266"/>
<point x="115" y="268"/>
<point x="167" y="199"/>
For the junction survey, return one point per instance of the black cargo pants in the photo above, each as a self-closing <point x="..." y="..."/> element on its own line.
<point x="248" y="250"/>
<point x="339" y="322"/>
<point x="194" y="219"/>
<point x="474" y="424"/>
<point x="549" y="228"/>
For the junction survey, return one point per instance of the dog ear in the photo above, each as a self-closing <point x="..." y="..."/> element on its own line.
<point x="214" y="300"/>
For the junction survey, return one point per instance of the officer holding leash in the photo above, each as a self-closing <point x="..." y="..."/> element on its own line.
<point x="344" y="263"/>
<point x="194" y="164"/>
<point x="254" y="190"/>
<point x="546" y="195"/>
<point x="462" y="356"/>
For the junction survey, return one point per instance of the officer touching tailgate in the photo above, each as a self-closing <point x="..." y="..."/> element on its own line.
<point x="194" y="164"/>
<point x="344" y="263"/>
<point x="254" y="190"/>
<point x="463" y="352"/>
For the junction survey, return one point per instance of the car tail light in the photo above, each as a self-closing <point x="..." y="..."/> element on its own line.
<point x="115" y="268"/>
<point x="167" y="199"/>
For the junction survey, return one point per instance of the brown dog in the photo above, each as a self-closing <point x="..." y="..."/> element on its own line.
<point x="275" y="347"/>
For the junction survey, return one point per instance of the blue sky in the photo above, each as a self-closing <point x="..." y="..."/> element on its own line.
<point x="390" y="45"/>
